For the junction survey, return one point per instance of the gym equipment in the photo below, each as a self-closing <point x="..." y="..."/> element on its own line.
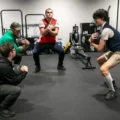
<point x="17" y="69"/>
<point x="85" y="44"/>
<point x="108" y="15"/>
<point x="31" y="25"/>
<point x="67" y="46"/>
<point x="31" y="39"/>
<point x="117" y="14"/>
<point x="87" y="29"/>
<point x="11" y="10"/>
<point x="77" y="51"/>
<point x="75" y="35"/>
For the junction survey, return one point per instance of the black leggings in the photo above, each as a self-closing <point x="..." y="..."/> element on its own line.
<point x="40" y="47"/>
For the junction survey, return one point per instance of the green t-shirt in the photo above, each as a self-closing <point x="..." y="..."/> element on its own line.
<point x="9" y="37"/>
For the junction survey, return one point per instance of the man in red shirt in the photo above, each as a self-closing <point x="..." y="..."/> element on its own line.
<point x="49" y="28"/>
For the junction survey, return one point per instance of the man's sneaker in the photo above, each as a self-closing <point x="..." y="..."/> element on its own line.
<point x="61" y="67"/>
<point x="111" y="95"/>
<point x="37" y="69"/>
<point x="29" y="52"/>
<point x="6" y="113"/>
<point x="114" y="84"/>
<point x="106" y="85"/>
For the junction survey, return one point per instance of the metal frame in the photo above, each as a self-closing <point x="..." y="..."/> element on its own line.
<point x="12" y="10"/>
<point x="117" y="14"/>
<point x="26" y="25"/>
<point x="108" y="14"/>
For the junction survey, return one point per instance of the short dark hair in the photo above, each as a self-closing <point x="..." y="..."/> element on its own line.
<point x="6" y="48"/>
<point x="102" y="14"/>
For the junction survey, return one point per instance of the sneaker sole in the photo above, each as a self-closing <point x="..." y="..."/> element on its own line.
<point x="111" y="98"/>
<point x="6" y="116"/>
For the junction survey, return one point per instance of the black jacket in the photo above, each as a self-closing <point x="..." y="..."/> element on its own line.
<point x="7" y="74"/>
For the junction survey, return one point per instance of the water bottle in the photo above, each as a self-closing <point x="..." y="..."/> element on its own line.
<point x="92" y="48"/>
<point x="59" y="43"/>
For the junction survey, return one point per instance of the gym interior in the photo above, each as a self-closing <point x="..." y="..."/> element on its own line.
<point x="74" y="94"/>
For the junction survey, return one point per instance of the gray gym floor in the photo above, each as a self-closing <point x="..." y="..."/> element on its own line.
<point x="70" y="95"/>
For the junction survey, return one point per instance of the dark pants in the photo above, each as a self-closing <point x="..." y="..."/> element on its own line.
<point x="40" y="47"/>
<point x="17" y="59"/>
<point x="8" y="95"/>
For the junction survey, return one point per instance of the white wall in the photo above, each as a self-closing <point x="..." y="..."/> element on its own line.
<point x="68" y="12"/>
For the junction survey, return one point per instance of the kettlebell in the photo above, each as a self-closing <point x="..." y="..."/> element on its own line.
<point x="17" y="69"/>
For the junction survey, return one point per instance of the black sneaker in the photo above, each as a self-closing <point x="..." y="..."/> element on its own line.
<point x="37" y="69"/>
<point x="106" y="85"/>
<point x="61" y="67"/>
<point x="114" y="84"/>
<point x="6" y="113"/>
<point x="111" y="95"/>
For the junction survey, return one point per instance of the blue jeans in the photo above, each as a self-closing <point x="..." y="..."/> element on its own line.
<point x="40" y="47"/>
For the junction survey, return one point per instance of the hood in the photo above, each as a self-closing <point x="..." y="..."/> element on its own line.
<point x="3" y="59"/>
<point x="9" y="32"/>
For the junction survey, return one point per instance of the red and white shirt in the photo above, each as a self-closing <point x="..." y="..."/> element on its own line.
<point x="48" y="38"/>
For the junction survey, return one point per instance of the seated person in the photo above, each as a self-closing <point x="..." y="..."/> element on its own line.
<point x="49" y="28"/>
<point x="9" y="92"/>
<point x="11" y="36"/>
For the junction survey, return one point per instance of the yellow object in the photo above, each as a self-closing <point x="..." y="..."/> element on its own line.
<point x="67" y="46"/>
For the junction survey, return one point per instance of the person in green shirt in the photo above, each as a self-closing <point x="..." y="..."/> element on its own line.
<point x="11" y="36"/>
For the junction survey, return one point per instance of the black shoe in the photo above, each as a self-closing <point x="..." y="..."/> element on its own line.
<point x="37" y="69"/>
<point x="114" y="84"/>
<point x="106" y="85"/>
<point x="6" y="112"/>
<point x="61" y="67"/>
<point x="111" y="95"/>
